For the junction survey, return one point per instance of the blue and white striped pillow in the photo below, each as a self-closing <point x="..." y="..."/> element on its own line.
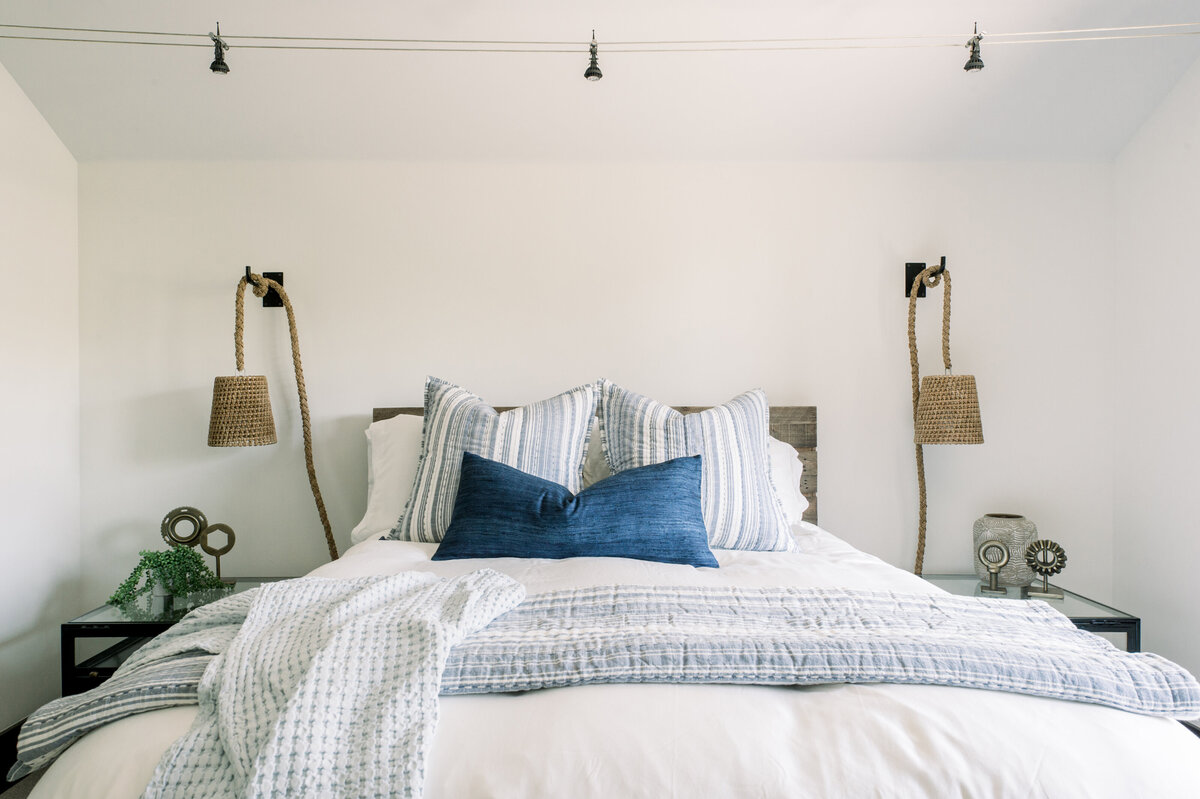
<point x="741" y="508"/>
<point x="548" y="439"/>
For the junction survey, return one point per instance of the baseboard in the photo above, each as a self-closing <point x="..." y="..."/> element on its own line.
<point x="8" y="751"/>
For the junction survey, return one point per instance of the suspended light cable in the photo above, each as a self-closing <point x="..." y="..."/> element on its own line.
<point x="513" y="42"/>
<point x="375" y="44"/>
<point x="993" y="42"/>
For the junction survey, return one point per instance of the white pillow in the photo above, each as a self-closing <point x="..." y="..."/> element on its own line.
<point x="786" y="471"/>
<point x="393" y="449"/>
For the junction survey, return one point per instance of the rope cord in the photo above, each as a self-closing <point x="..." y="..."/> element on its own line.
<point x="260" y="286"/>
<point x="931" y="280"/>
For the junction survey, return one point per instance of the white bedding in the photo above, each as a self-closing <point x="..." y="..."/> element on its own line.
<point x="707" y="740"/>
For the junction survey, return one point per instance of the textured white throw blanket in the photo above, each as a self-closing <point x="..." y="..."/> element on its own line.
<point x="331" y="688"/>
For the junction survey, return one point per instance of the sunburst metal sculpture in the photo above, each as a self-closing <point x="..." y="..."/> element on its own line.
<point x="1046" y="558"/>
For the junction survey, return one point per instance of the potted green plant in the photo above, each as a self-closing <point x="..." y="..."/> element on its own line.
<point x="177" y="571"/>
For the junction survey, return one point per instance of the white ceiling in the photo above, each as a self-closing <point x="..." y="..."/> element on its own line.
<point x="1076" y="101"/>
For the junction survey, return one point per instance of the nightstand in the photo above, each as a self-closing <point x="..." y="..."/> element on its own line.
<point x="1087" y="614"/>
<point x="134" y="624"/>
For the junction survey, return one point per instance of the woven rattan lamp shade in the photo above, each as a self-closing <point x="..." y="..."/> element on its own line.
<point x="948" y="411"/>
<point x="241" y="412"/>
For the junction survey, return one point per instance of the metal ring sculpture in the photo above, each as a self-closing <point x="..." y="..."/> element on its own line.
<point x="184" y="514"/>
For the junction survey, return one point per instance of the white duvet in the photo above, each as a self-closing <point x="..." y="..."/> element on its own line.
<point x="720" y="740"/>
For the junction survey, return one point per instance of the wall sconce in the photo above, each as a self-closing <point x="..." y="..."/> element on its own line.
<point x="945" y="407"/>
<point x="241" y="406"/>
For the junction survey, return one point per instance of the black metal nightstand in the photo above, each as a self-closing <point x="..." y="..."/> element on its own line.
<point x="1087" y="614"/>
<point x="135" y="624"/>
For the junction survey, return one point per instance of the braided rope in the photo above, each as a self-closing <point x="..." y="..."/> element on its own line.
<point x="931" y="280"/>
<point x="239" y="319"/>
<point x="260" y="285"/>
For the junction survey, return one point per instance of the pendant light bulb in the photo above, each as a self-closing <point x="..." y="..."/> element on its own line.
<point x="219" y="47"/>
<point x="974" y="63"/>
<point x="593" y="71"/>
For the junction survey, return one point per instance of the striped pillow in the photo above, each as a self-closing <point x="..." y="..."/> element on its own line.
<point x="741" y="508"/>
<point x="547" y="439"/>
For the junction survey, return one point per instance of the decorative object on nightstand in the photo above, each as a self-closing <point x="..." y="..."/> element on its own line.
<point x="945" y="407"/>
<point x="199" y="533"/>
<point x="241" y="406"/>
<point x="179" y="570"/>
<point x="1016" y="533"/>
<point x="1047" y="559"/>
<point x="995" y="555"/>
<point x="207" y="545"/>
<point x="193" y="518"/>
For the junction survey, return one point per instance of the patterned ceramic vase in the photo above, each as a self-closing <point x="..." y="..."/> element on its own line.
<point x="1015" y="532"/>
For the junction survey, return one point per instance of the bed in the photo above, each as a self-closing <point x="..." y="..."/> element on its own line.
<point x="685" y="740"/>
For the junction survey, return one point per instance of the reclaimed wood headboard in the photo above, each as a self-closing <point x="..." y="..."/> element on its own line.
<point x="795" y="424"/>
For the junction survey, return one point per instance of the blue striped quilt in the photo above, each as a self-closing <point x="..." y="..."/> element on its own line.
<point x="775" y="636"/>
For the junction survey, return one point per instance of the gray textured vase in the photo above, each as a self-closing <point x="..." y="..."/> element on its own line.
<point x="1015" y="532"/>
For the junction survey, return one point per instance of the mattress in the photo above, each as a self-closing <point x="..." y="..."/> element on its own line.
<point x="673" y="740"/>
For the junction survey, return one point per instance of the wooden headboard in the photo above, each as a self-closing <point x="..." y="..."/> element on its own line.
<point x="795" y="424"/>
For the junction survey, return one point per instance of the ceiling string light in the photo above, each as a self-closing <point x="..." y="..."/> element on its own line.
<point x="593" y="72"/>
<point x="974" y="63"/>
<point x="333" y="43"/>
<point x="219" y="47"/>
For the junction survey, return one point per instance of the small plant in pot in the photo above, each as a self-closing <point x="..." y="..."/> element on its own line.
<point x="177" y="571"/>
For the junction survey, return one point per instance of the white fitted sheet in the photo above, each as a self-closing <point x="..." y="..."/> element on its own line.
<point x="721" y="740"/>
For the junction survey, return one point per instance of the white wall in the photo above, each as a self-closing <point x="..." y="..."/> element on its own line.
<point x="1156" y="542"/>
<point x="689" y="282"/>
<point x="39" y="401"/>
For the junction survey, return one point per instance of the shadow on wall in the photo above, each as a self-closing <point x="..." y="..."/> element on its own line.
<point x="27" y="654"/>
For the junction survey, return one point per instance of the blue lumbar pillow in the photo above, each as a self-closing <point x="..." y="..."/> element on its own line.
<point x="649" y="513"/>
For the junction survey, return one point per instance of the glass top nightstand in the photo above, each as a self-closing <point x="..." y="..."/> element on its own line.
<point x="132" y="624"/>
<point x="1087" y="614"/>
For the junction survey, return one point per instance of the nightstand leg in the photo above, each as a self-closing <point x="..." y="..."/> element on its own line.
<point x="67" y="652"/>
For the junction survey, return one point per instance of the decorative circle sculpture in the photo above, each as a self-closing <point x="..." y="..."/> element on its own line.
<point x="1045" y="557"/>
<point x="209" y="547"/>
<point x="192" y="516"/>
<point x="992" y="554"/>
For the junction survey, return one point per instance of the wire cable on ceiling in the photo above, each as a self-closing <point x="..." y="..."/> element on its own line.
<point x="618" y="49"/>
<point x="640" y="46"/>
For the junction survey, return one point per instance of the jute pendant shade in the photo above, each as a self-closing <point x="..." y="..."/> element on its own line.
<point x="241" y="406"/>
<point x="945" y="407"/>
<point x="241" y="412"/>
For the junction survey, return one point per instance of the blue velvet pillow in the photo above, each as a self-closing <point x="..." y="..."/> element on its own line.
<point x="648" y="513"/>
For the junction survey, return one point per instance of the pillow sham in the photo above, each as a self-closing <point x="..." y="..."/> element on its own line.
<point x="547" y="439"/>
<point x="786" y="472"/>
<point x="393" y="450"/>
<point x="651" y="513"/>
<point x="740" y="505"/>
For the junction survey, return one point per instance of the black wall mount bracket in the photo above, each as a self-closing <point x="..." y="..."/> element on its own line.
<point x="911" y="270"/>
<point x="272" y="298"/>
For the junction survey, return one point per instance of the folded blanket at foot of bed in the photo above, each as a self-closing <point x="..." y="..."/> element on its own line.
<point x="778" y="636"/>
